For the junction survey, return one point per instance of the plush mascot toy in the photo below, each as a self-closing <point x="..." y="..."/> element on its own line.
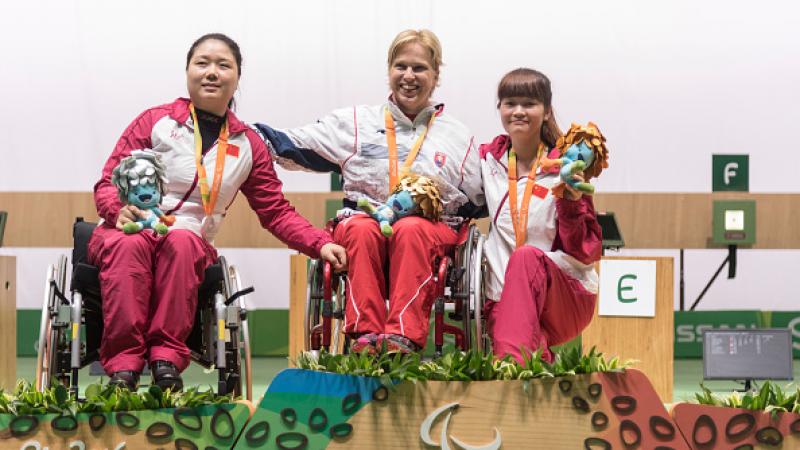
<point x="140" y="181"/>
<point x="414" y="195"/>
<point x="583" y="149"/>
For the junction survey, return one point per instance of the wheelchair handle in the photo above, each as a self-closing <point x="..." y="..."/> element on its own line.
<point x="58" y="293"/>
<point x="233" y="297"/>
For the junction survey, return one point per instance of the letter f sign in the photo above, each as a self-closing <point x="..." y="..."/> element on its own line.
<point x="729" y="171"/>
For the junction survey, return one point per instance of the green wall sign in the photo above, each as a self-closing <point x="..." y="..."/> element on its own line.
<point x="790" y="320"/>
<point x="734" y="222"/>
<point x="730" y="173"/>
<point x="689" y="326"/>
<point x="336" y="182"/>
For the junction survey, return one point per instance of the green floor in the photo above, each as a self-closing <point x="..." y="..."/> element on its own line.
<point x="264" y="370"/>
<point x="688" y="375"/>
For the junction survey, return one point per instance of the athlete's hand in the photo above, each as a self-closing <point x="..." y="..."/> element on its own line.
<point x="128" y="213"/>
<point x="334" y="254"/>
<point x="571" y="193"/>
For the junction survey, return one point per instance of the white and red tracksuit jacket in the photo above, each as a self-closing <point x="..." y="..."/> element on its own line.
<point x="169" y="131"/>
<point x="566" y="231"/>
<point x="352" y="142"/>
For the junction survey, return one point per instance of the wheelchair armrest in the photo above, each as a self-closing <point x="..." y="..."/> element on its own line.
<point x="85" y="277"/>
<point x="212" y="278"/>
<point x="81" y="233"/>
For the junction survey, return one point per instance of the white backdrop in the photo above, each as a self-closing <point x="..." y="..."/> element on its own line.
<point x="764" y="278"/>
<point x="669" y="82"/>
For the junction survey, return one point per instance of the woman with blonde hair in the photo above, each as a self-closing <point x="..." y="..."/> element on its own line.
<point x="358" y="143"/>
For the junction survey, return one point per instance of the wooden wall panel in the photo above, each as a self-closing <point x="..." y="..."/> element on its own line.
<point x="298" y="296"/>
<point x="648" y="340"/>
<point x="44" y="219"/>
<point x="8" y="322"/>
<point x="684" y="220"/>
<point x="647" y="220"/>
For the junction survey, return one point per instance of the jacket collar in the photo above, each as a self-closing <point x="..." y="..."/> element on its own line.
<point x="499" y="146"/>
<point x="180" y="113"/>
<point x="422" y="117"/>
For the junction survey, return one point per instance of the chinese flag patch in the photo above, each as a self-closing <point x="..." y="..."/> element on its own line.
<point x="540" y="191"/>
<point x="233" y="150"/>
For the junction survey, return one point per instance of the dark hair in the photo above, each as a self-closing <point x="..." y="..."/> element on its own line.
<point x="524" y="82"/>
<point x="232" y="45"/>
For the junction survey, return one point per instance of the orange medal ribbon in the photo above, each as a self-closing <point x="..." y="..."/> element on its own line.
<point x="519" y="219"/>
<point x="209" y="197"/>
<point x="391" y="142"/>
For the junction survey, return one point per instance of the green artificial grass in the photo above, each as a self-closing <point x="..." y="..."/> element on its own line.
<point x="26" y="400"/>
<point x="769" y="398"/>
<point x="460" y="366"/>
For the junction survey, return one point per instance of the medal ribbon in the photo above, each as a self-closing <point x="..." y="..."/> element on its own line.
<point x="519" y="219"/>
<point x="391" y="142"/>
<point x="209" y="198"/>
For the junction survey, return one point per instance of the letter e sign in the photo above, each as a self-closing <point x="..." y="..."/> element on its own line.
<point x="627" y="288"/>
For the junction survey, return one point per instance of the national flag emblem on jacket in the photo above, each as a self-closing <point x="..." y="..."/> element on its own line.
<point x="439" y="159"/>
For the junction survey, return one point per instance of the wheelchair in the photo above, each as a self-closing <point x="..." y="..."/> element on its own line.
<point x="72" y="328"/>
<point x="459" y="292"/>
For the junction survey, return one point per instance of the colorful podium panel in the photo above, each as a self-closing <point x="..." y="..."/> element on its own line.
<point x="314" y="410"/>
<point x="305" y="409"/>
<point x="214" y="426"/>
<point x="706" y="427"/>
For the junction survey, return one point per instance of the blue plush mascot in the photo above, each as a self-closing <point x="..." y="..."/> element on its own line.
<point x="414" y="195"/>
<point x="140" y="180"/>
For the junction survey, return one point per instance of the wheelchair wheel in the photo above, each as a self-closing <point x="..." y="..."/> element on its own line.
<point x="51" y="338"/>
<point x="43" y="352"/>
<point x="339" y="342"/>
<point x="478" y="269"/>
<point x="462" y="284"/>
<point x="313" y="307"/>
<point x="324" y="323"/>
<point x="231" y="347"/>
<point x="466" y="263"/>
<point x="244" y="334"/>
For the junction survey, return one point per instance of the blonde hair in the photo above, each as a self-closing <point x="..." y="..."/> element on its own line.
<point x="423" y="37"/>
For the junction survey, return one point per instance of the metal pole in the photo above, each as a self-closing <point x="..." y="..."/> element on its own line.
<point x="732" y="261"/>
<point x="682" y="287"/>
<point x="709" y="283"/>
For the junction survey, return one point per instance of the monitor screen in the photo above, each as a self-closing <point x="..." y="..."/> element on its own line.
<point x="3" y="219"/>
<point x="612" y="237"/>
<point x="757" y="354"/>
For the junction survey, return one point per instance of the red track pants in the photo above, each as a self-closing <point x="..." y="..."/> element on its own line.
<point x="409" y="256"/>
<point x="540" y="306"/>
<point x="149" y="287"/>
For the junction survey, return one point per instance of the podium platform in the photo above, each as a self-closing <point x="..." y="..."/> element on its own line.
<point x="649" y="340"/>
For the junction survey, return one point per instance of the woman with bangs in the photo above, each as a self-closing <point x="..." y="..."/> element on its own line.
<point x="541" y="287"/>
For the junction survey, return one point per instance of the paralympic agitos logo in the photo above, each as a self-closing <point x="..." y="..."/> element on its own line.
<point x="427" y="424"/>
